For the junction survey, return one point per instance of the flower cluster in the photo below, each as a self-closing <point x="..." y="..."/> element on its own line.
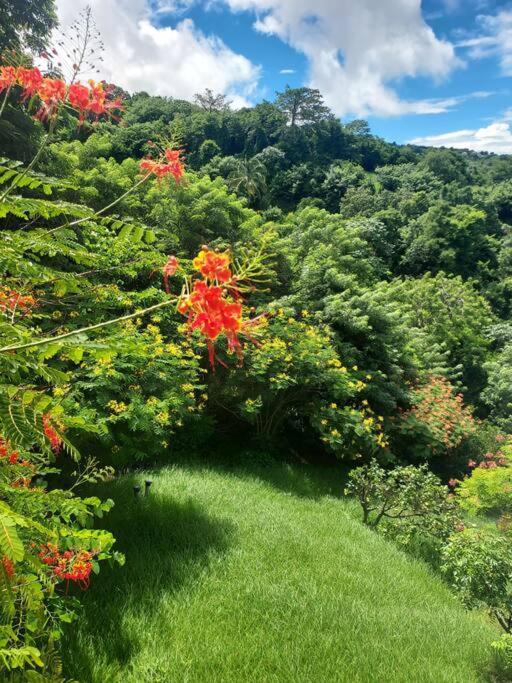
<point x="69" y="565"/>
<point x="492" y="459"/>
<point x="212" y="305"/>
<point x="169" y="164"/>
<point x="11" y="301"/>
<point x="91" y="99"/>
<point x="8" y="566"/>
<point x="51" y="434"/>
<point x="7" y="452"/>
<point x="442" y="412"/>
<point x="213" y="265"/>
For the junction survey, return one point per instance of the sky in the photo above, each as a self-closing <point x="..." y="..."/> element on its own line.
<point x="433" y="72"/>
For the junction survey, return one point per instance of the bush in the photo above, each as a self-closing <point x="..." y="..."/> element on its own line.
<point x="489" y="488"/>
<point x="478" y="564"/>
<point x="502" y="649"/>
<point x="439" y="421"/>
<point x="409" y="500"/>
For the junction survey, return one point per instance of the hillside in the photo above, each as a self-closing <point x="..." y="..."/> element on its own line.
<point x="261" y="575"/>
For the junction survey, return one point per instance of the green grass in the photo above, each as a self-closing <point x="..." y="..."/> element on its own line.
<point x="264" y="576"/>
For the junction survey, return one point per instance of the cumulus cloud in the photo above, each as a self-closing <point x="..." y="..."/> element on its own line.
<point x="287" y="71"/>
<point x="177" y="61"/>
<point x="497" y="137"/>
<point x="357" y="49"/>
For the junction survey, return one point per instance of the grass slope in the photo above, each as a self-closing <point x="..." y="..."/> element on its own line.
<point x="238" y="576"/>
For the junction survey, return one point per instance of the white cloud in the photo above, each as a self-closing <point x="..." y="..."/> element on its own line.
<point x="497" y="137"/>
<point x="287" y="71"/>
<point x="177" y="61"/>
<point x="357" y="49"/>
<point x="495" y="39"/>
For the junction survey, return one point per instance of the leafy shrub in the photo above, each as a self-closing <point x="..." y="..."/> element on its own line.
<point x="489" y="487"/>
<point x="407" y="500"/>
<point x="294" y="377"/>
<point x="478" y="564"/>
<point x="439" y="421"/>
<point x="502" y="649"/>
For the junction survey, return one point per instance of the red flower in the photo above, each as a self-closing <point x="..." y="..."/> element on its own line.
<point x="52" y="92"/>
<point x="168" y="270"/>
<point x="11" y="301"/>
<point x="31" y="80"/>
<point x="78" y="96"/>
<point x="51" y="434"/>
<point x="8" y="77"/>
<point x="70" y="565"/>
<point x="174" y="165"/>
<point x="7" y="452"/>
<point x="213" y="266"/>
<point x="8" y="566"/>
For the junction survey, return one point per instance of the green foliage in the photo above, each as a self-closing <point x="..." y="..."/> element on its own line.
<point x="502" y="649"/>
<point x="26" y="22"/>
<point x="293" y="379"/>
<point x="478" y="564"/>
<point x="409" y="502"/>
<point x="489" y="488"/>
<point x="302" y="105"/>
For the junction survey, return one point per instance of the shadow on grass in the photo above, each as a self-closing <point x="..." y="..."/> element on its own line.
<point x="297" y="479"/>
<point x="167" y="545"/>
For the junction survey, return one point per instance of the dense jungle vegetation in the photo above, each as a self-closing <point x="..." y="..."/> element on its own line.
<point x="178" y="279"/>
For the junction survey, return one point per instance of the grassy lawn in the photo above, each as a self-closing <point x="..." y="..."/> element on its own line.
<point x="264" y="575"/>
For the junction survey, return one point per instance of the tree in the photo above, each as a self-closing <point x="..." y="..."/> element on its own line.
<point x="302" y="106"/>
<point x="249" y="178"/>
<point x="26" y="22"/>
<point x="210" y="101"/>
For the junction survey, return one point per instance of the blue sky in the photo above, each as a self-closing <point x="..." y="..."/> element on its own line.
<point x="436" y="72"/>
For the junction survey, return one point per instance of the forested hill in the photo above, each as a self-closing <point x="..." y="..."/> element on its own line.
<point x="403" y="253"/>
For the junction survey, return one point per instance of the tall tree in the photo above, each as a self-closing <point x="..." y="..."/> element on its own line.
<point x="26" y="23"/>
<point x="210" y="101"/>
<point x="302" y="105"/>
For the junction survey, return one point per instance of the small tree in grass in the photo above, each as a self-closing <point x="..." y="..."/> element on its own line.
<point x="408" y="499"/>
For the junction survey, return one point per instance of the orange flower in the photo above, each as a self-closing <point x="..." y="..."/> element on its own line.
<point x="172" y="165"/>
<point x="213" y="265"/>
<point x="8" y="77"/>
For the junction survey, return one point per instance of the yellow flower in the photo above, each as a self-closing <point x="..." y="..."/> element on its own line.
<point x="333" y="406"/>
<point x="335" y="433"/>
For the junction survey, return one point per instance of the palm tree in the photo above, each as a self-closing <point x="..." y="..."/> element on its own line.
<point x="249" y="178"/>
